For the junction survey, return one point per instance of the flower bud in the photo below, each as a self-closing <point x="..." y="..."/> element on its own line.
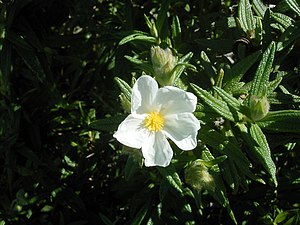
<point x="163" y="63"/>
<point x="125" y="103"/>
<point x="198" y="176"/>
<point x="259" y="107"/>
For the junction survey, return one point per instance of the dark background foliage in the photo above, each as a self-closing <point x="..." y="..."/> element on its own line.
<point x="58" y="61"/>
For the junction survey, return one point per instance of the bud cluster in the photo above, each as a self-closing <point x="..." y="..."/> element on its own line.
<point x="259" y="107"/>
<point x="197" y="175"/>
<point x="163" y="62"/>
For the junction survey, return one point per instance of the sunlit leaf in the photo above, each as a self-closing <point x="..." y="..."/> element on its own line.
<point x="261" y="77"/>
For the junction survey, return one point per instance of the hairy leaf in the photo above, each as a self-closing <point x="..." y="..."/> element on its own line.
<point x="261" y="77"/>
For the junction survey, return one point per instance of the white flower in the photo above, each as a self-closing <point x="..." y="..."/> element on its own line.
<point x="158" y="114"/>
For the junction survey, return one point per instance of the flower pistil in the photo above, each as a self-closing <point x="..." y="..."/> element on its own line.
<point x="154" y="121"/>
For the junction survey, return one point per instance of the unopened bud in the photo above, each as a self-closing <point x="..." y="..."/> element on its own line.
<point x="125" y="103"/>
<point x="163" y="63"/>
<point x="198" y="176"/>
<point x="259" y="107"/>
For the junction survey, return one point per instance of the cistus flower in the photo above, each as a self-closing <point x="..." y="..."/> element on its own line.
<point x="158" y="114"/>
<point x="163" y="63"/>
<point x="259" y="107"/>
<point x="198" y="176"/>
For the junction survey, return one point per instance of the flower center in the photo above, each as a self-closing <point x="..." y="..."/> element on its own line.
<point x="154" y="121"/>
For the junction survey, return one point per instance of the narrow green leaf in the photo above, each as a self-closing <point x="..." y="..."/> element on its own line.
<point x="172" y="177"/>
<point x="144" y="66"/>
<point x="283" y="19"/>
<point x="207" y="156"/>
<point x="217" y="105"/>
<point x="281" y="217"/>
<point x="181" y="65"/>
<point x="246" y="16"/>
<point x="142" y="213"/>
<point x="261" y="77"/>
<point x="288" y="37"/>
<point x="281" y="121"/>
<point x="228" y="98"/>
<point x="293" y="4"/>
<point x="231" y="22"/>
<point x="283" y="98"/>
<point x="162" y="15"/>
<point x="186" y="58"/>
<point x="148" y="22"/>
<point x="138" y="37"/>
<point x="237" y="72"/>
<point x="257" y="142"/>
<point x="214" y="161"/>
<point x="259" y="8"/>
<point x="107" y="124"/>
<point x="231" y="175"/>
<point x="208" y="67"/>
<point x="264" y="150"/>
<point x="152" y="27"/>
<point x="225" y="146"/>
<point x="176" y="31"/>
<point x="125" y="88"/>
<point x="220" y="196"/>
<point x="274" y="84"/>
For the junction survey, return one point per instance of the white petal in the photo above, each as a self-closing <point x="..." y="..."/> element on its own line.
<point x="130" y="132"/>
<point x="157" y="150"/>
<point x="143" y="93"/>
<point x="182" y="129"/>
<point x="173" y="100"/>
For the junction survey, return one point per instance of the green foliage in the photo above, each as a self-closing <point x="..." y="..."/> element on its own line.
<point x="66" y="73"/>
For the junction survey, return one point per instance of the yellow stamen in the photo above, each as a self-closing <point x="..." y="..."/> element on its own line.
<point x="154" y="121"/>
